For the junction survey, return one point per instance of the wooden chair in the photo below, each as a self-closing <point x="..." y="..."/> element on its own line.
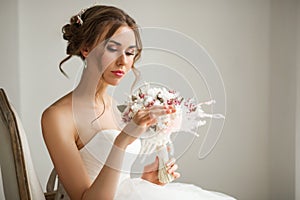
<point x="18" y="177"/>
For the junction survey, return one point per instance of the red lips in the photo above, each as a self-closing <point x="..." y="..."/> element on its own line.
<point x="118" y="73"/>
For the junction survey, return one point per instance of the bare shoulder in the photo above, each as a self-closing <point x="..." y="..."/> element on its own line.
<point x="59" y="136"/>
<point x="58" y="118"/>
<point x="61" y="109"/>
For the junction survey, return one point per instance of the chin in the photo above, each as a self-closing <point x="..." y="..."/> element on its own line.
<point x="114" y="83"/>
<point x="111" y="81"/>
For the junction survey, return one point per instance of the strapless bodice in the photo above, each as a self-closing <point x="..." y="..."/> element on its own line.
<point x="94" y="155"/>
<point x="95" y="152"/>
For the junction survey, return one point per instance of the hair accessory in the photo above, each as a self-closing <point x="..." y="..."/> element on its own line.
<point x="79" y="20"/>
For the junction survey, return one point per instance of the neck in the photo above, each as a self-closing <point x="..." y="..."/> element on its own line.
<point x="101" y="90"/>
<point x="91" y="87"/>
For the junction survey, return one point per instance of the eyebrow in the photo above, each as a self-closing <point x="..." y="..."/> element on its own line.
<point x="119" y="44"/>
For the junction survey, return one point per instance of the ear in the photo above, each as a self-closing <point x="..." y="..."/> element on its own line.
<point x="85" y="52"/>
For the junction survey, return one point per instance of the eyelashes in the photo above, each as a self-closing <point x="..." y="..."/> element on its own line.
<point x="129" y="54"/>
<point x="113" y="50"/>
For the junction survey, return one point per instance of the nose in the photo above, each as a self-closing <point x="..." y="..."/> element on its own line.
<point x="122" y="59"/>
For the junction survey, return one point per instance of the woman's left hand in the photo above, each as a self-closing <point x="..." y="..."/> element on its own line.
<point x="151" y="171"/>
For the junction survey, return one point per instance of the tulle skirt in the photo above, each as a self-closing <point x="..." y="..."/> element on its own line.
<point x="139" y="189"/>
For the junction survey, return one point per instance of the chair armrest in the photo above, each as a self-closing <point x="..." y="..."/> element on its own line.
<point x="50" y="195"/>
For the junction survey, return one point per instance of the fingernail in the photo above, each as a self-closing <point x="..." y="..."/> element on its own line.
<point x="170" y="163"/>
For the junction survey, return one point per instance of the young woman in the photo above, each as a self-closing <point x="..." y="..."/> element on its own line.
<point x="89" y="150"/>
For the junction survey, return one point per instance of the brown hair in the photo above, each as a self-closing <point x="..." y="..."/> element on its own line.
<point x="88" y="28"/>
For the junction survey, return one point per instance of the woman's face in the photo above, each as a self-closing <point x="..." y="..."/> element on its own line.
<point x="118" y="55"/>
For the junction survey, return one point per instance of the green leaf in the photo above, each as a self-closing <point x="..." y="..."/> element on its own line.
<point x="121" y="108"/>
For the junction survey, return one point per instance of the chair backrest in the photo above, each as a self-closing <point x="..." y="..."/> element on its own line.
<point x="18" y="176"/>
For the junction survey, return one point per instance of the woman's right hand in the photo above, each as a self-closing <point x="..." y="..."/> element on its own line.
<point x="141" y="121"/>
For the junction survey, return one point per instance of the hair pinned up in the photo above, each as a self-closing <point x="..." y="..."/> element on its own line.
<point x="79" y="20"/>
<point x="90" y="26"/>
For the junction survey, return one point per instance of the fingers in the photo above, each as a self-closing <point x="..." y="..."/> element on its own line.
<point x="171" y="162"/>
<point x="176" y="175"/>
<point x="157" y="111"/>
<point x="161" y="110"/>
<point x="172" y="167"/>
<point x="146" y="116"/>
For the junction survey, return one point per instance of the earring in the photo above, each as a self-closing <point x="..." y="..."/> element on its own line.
<point x="84" y="64"/>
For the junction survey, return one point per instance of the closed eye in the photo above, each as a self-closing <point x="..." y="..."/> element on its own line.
<point x="130" y="53"/>
<point x="111" y="49"/>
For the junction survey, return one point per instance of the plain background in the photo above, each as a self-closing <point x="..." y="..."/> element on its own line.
<point x="256" y="45"/>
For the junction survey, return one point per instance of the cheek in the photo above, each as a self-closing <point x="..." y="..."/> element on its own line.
<point x="107" y="59"/>
<point x="130" y="64"/>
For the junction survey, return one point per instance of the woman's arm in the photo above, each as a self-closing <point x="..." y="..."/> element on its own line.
<point x="105" y="185"/>
<point x="59" y="133"/>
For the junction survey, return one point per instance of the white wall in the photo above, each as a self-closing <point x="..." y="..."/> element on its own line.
<point x="297" y="141"/>
<point x="245" y="40"/>
<point x="41" y="49"/>
<point x="9" y="56"/>
<point x="283" y="99"/>
<point x="235" y="32"/>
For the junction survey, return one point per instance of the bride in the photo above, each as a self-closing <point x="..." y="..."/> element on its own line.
<point x="90" y="152"/>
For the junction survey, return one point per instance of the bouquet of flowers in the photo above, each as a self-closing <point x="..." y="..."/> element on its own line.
<point x="187" y="118"/>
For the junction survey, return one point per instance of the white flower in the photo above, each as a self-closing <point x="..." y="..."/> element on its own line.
<point x="148" y="100"/>
<point x="187" y="118"/>
<point x="156" y="103"/>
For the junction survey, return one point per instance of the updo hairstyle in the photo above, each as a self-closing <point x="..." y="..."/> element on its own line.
<point x="94" y="25"/>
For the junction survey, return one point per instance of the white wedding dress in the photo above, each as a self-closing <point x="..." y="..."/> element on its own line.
<point x="94" y="154"/>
